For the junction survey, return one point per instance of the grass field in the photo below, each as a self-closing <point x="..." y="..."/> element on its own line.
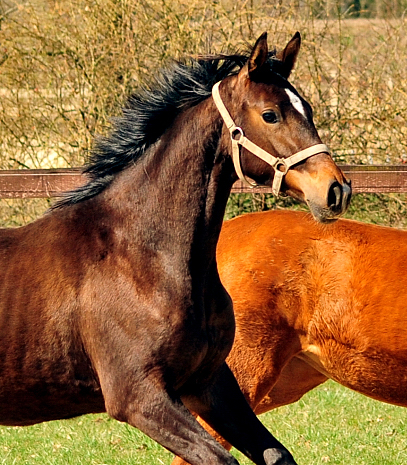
<point x="330" y="424"/>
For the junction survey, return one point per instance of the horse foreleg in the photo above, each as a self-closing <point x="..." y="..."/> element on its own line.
<point x="165" y="419"/>
<point x="295" y="380"/>
<point x="213" y="433"/>
<point x="223" y="406"/>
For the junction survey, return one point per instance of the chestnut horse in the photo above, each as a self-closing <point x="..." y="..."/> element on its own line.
<point x="112" y="300"/>
<point x="314" y="302"/>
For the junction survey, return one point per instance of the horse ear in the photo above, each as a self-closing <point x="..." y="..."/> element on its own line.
<point x="288" y="56"/>
<point x="258" y="56"/>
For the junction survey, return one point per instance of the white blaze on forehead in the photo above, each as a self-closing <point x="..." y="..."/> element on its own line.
<point x="296" y="102"/>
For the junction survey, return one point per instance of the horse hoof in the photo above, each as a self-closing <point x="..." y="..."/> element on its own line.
<point x="278" y="457"/>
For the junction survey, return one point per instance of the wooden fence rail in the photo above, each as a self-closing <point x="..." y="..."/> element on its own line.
<point x="52" y="182"/>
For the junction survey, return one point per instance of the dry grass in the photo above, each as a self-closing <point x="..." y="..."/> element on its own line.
<point x="66" y="67"/>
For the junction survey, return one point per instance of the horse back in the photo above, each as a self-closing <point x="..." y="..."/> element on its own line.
<point x="288" y="252"/>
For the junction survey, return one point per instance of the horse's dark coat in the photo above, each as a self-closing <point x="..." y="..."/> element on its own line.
<point x="112" y="300"/>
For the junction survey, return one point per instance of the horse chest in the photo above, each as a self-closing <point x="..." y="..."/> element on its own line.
<point x="206" y="330"/>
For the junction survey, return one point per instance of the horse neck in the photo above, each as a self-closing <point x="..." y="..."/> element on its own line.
<point x="174" y="198"/>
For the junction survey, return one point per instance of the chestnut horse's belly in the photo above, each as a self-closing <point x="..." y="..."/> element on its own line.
<point x="374" y="372"/>
<point x="357" y="332"/>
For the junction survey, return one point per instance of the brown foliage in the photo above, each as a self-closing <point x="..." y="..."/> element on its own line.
<point x="66" y="67"/>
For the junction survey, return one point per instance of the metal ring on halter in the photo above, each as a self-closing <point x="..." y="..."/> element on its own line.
<point x="237" y="131"/>
<point x="280" y="162"/>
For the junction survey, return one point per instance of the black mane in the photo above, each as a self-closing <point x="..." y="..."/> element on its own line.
<point x="148" y="114"/>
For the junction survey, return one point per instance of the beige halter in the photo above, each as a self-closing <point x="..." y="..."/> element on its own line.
<point x="280" y="165"/>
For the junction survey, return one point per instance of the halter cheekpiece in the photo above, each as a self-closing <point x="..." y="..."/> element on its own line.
<point x="280" y="165"/>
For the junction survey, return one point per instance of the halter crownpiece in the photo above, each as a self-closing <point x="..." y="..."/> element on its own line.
<point x="280" y="165"/>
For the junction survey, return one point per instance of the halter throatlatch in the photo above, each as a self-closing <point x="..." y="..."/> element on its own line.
<point x="280" y="165"/>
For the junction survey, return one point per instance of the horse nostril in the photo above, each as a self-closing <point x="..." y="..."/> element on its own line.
<point x="335" y="196"/>
<point x="347" y="194"/>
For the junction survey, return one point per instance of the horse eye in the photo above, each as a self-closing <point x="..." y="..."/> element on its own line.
<point x="270" y="117"/>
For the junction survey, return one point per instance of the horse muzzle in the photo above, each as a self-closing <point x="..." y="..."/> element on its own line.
<point x="337" y="202"/>
<point x="320" y="183"/>
<point x="339" y="197"/>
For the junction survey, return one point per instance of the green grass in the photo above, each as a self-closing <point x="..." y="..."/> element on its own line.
<point x="330" y="424"/>
<point x="88" y="440"/>
<point x="335" y="425"/>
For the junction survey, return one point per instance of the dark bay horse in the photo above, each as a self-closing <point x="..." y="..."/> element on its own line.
<point x="112" y="300"/>
<point x="314" y="302"/>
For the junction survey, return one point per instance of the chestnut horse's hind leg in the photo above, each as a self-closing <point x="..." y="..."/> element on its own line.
<point x="223" y="406"/>
<point x="166" y="420"/>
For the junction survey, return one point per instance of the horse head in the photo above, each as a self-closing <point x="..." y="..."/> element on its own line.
<point x="268" y="118"/>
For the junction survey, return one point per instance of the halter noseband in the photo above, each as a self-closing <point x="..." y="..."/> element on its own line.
<point x="280" y="165"/>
